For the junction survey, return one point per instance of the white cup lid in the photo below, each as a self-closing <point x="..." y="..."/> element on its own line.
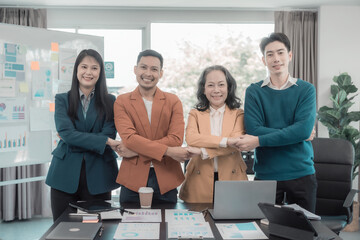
<point x="146" y="190"/>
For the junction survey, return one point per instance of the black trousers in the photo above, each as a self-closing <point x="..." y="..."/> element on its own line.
<point x="60" y="200"/>
<point x="301" y="191"/>
<point x="127" y="195"/>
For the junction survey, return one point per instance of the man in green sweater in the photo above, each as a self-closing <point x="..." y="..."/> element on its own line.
<point x="280" y="114"/>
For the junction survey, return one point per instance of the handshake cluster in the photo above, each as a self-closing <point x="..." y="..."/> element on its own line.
<point x="181" y="154"/>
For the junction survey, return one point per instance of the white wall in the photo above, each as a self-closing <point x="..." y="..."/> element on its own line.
<point x="339" y="51"/>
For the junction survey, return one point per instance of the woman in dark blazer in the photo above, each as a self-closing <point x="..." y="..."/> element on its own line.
<point x="84" y="165"/>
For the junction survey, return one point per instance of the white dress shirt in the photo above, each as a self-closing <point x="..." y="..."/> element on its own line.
<point x="216" y="120"/>
<point x="148" y="106"/>
<point x="289" y="82"/>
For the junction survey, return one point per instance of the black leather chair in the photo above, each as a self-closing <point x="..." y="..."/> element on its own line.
<point x="248" y="157"/>
<point x="334" y="159"/>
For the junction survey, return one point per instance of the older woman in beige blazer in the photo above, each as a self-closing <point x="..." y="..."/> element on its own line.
<point x="212" y="131"/>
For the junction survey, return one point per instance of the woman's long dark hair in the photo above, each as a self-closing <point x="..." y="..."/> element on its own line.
<point x="232" y="101"/>
<point x="103" y="102"/>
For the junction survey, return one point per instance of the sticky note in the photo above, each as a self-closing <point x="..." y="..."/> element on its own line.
<point x="54" y="57"/>
<point x="23" y="87"/>
<point x="54" y="46"/>
<point x="35" y="65"/>
<point x="52" y="107"/>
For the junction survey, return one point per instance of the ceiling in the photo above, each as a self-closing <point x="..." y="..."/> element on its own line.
<point x="240" y="4"/>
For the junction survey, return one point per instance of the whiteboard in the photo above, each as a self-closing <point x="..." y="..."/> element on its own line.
<point x="39" y="53"/>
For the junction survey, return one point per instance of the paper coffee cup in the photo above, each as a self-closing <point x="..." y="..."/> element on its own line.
<point x="146" y="195"/>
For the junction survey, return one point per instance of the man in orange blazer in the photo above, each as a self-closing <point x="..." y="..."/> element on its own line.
<point x="151" y="126"/>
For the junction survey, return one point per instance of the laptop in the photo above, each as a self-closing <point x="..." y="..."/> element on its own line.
<point x="239" y="199"/>
<point x="293" y="224"/>
<point x="74" y="231"/>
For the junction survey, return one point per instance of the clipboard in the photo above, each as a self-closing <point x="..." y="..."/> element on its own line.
<point x="94" y="206"/>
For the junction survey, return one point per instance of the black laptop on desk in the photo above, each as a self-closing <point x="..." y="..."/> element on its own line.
<point x="293" y="224"/>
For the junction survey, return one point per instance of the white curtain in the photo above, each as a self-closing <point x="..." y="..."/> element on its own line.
<point x="24" y="200"/>
<point x="301" y="29"/>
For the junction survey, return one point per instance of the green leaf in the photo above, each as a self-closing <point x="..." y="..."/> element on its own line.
<point x="350" y="89"/>
<point x="335" y="102"/>
<point x="325" y="117"/>
<point x="343" y="80"/>
<point x="346" y="80"/>
<point x="351" y="98"/>
<point x="354" y="116"/>
<point x="329" y="126"/>
<point x="344" y="121"/>
<point x="335" y="114"/>
<point x="351" y="133"/>
<point x="341" y="96"/>
<point x="334" y="90"/>
<point x="325" y="109"/>
<point x="345" y="106"/>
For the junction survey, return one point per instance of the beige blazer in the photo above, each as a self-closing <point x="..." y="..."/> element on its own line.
<point x="199" y="177"/>
<point x="149" y="141"/>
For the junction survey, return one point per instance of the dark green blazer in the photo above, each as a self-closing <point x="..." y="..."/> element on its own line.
<point x="84" y="139"/>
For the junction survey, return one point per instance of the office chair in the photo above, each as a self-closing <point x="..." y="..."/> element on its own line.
<point x="333" y="161"/>
<point x="248" y="157"/>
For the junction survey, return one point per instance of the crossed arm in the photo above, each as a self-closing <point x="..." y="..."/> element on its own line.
<point x="133" y="144"/>
<point x="78" y="139"/>
<point x="210" y="143"/>
<point x="302" y="129"/>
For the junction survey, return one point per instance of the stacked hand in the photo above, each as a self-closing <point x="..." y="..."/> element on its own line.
<point x="248" y="142"/>
<point x="119" y="147"/>
<point x="179" y="154"/>
<point x="312" y="135"/>
<point x="244" y="143"/>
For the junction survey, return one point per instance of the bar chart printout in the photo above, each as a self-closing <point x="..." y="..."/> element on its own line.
<point x="13" y="138"/>
<point x="142" y="215"/>
<point x="12" y="110"/>
<point x="137" y="231"/>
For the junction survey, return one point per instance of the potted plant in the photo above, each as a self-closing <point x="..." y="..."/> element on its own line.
<point x="337" y="119"/>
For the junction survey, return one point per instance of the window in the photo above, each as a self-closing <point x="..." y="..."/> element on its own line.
<point x="121" y="47"/>
<point x="189" y="48"/>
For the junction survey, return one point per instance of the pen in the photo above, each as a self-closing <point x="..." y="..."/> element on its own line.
<point x="83" y="214"/>
<point x="122" y="210"/>
<point x="101" y="231"/>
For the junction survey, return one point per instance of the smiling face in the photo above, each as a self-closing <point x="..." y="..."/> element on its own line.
<point x="276" y="58"/>
<point x="148" y="72"/>
<point x="88" y="73"/>
<point x="216" y="88"/>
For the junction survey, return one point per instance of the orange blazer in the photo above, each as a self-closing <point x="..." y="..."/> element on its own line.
<point x="199" y="177"/>
<point x="150" y="141"/>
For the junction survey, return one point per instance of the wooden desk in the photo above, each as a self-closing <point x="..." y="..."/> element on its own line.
<point x="111" y="225"/>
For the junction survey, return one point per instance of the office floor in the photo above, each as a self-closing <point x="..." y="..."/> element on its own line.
<point x="35" y="228"/>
